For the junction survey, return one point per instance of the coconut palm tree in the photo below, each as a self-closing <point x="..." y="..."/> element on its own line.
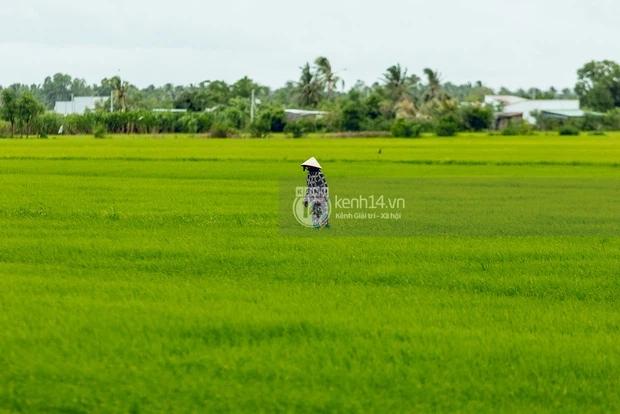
<point x="397" y="83"/>
<point x="308" y="87"/>
<point x="327" y="75"/>
<point x="120" y="91"/>
<point x="434" y="91"/>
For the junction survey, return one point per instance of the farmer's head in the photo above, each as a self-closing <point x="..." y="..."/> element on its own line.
<point x="311" y="165"/>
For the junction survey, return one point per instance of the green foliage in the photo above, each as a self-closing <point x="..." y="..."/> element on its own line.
<point x="398" y="83"/>
<point x="592" y="122"/>
<point x="56" y="88"/>
<point x="352" y="116"/>
<point x="188" y="124"/>
<point x="309" y="87"/>
<point x="272" y="118"/>
<point x="28" y="109"/>
<point x="261" y="127"/>
<point x="82" y="124"/>
<point x="9" y="107"/>
<point x="404" y="128"/>
<point x="611" y="120"/>
<point x="326" y="75"/>
<point x="5" y="129"/>
<point x="48" y="123"/>
<point x="476" y="117"/>
<point x="234" y="117"/>
<point x="567" y="130"/>
<point x="598" y="86"/>
<point x="447" y="125"/>
<point x="519" y="127"/>
<point x="99" y="131"/>
<point x="204" y="121"/>
<point x="220" y="129"/>
<point x="296" y="129"/>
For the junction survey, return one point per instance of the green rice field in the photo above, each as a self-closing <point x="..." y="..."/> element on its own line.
<point x="165" y="274"/>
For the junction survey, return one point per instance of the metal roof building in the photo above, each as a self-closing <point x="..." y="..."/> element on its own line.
<point x="515" y="104"/>
<point x="295" y="114"/>
<point x="78" y="105"/>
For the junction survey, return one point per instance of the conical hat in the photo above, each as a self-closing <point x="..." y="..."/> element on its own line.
<point x="312" y="162"/>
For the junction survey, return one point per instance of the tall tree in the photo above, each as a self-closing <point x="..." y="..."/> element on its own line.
<point x="598" y="85"/>
<point x="397" y="83"/>
<point x="56" y="88"/>
<point x="8" y="107"/>
<point x="326" y="74"/>
<point x="309" y="88"/>
<point x="120" y="92"/>
<point x="244" y="86"/>
<point x="28" y="108"/>
<point x="434" y="90"/>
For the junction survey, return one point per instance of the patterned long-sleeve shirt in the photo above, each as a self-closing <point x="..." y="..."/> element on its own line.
<point x="317" y="187"/>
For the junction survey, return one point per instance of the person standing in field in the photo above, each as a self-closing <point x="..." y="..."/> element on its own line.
<point x="317" y="193"/>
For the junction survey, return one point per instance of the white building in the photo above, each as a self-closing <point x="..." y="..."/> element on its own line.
<point x="295" y="114"/>
<point x="79" y="105"/>
<point x="516" y="104"/>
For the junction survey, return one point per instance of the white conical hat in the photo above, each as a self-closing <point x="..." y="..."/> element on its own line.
<point x="312" y="162"/>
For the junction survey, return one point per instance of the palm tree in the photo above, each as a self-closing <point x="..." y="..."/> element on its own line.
<point x="120" y="91"/>
<point x="328" y="77"/>
<point x="397" y="83"/>
<point x="308" y="87"/>
<point x="434" y="91"/>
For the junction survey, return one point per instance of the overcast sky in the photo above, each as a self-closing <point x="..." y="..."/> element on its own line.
<point x="513" y="43"/>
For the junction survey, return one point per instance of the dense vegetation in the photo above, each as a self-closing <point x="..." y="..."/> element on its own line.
<point x="151" y="275"/>
<point x="403" y="103"/>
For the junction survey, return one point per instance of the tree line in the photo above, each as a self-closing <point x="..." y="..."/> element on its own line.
<point x="399" y="101"/>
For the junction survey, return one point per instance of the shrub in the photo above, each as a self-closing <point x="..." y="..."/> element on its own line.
<point x="220" y="129"/>
<point x="404" y="128"/>
<point x="261" y="127"/>
<point x="204" y="122"/>
<point x="518" y="128"/>
<point x="611" y="120"/>
<point x="568" y="130"/>
<point x="99" y="131"/>
<point x="377" y="124"/>
<point x="352" y="116"/>
<point x="359" y="134"/>
<point x="476" y="118"/>
<point x="310" y="124"/>
<point x="78" y="124"/>
<point x="447" y="126"/>
<point x="188" y="124"/>
<point x="5" y="129"/>
<point x="591" y="122"/>
<point x="273" y="117"/>
<point x="48" y="124"/>
<point x="233" y="117"/>
<point x="295" y="128"/>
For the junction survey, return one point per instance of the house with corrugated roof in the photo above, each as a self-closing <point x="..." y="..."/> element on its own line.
<point x="78" y="105"/>
<point x="528" y="108"/>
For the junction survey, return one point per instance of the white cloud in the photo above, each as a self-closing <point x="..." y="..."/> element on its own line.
<point x="499" y="42"/>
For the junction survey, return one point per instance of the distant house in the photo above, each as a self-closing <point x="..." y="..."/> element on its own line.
<point x="500" y="101"/>
<point x="564" y="113"/>
<point x="78" y="105"/>
<point x="504" y="119"/>
<point x="170" y="110"/>
<point x="507" y="104"/>
<point x="295" y="114"/>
